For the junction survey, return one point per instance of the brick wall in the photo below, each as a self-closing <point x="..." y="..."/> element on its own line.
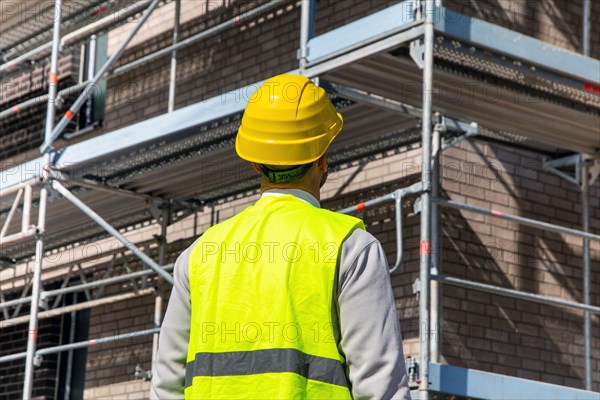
<point x="14" y="337"/>
<point x="497" y="333"/>
<point x="558" y="22"/>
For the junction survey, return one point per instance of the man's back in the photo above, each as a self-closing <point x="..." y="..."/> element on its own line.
<point x="262" y="294"/>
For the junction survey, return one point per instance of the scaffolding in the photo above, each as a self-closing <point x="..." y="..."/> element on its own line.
<point x="356" y="62"/>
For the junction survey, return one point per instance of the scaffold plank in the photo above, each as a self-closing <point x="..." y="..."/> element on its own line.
<point x="517" y="45"/>
<point x="470" y="383"/>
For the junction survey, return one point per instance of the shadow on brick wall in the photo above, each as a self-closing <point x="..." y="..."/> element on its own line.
<point x="555" y="21"/>
<point x="500" y="334"/>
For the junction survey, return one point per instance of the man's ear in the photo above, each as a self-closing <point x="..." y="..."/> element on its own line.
<point x="256" y="168"/>
<point x="323" y="162"/>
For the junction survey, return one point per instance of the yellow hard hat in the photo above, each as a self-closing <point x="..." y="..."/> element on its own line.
<point x="288" y="121"/>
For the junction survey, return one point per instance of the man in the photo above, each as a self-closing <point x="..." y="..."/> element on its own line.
<point x="284" y="300"/>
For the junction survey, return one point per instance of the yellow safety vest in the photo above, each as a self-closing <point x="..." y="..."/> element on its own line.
<point x="262" y="292"/>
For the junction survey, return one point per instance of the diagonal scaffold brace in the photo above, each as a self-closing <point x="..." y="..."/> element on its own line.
<point x="89" y="89"/>
<point x="108" y="228"/>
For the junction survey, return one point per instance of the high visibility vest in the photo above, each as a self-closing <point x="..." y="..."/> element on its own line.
<point x="262" y="292"/>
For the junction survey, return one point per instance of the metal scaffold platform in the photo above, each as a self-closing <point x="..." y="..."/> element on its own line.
<point x="401" y="76"/>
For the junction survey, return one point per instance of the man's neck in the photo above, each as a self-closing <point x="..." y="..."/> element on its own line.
<point x="298" y="193"/>
<point x="316" y="193"/>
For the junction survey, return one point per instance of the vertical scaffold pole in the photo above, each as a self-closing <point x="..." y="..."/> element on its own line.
<point x="435" y="339"/>
<point x="587" y="316"/>
<point x="41" y="224"/>
<point x="173" y="75"/>
<point x="158" y="301"/>
<point x="425" y="245"/>
<point x="307" y="18"/>
<point x="587" y="23"/>
<point x="35" y="298"/>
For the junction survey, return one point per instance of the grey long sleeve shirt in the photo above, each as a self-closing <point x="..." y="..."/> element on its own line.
<point x="368" y="330"/>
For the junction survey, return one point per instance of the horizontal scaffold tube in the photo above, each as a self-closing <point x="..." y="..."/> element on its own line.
<point x="516" y="294"/>
<point x="79" y="306"/>
<point x="17" y="187"/>
<point x="397" y="196"/>
<point x="85" y="286"/>
<point x="81" y="345"/>
<point x="41" y="99"/>
<point x="521" y="220"/>
<point x="17" y="237"/>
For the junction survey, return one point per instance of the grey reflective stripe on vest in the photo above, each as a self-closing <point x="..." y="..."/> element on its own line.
<point x="316" y="368"/>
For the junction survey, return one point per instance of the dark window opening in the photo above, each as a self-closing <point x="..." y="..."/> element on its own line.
<point x="72" y="363"/>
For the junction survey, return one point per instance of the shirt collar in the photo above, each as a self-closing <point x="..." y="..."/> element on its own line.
<point x="299" y="193"/>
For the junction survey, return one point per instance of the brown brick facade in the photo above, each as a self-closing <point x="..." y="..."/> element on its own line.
<point x="506" y="335"/>
<point x="556" y="22"/>
<point x="14" y="339"/>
